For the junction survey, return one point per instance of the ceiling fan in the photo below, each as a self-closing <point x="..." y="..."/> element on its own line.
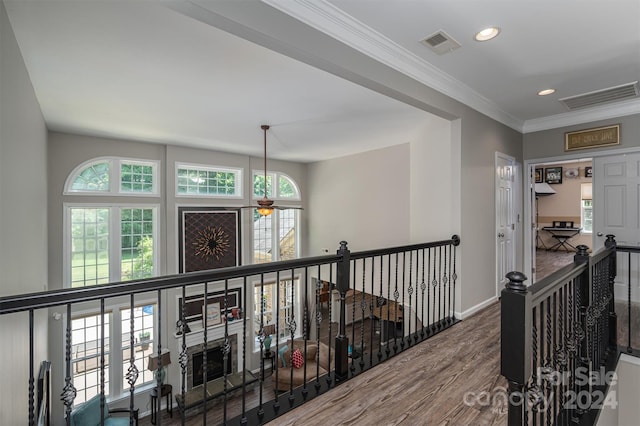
<point x="265" y="205"/>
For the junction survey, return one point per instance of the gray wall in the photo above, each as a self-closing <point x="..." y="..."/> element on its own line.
<point x="550" y="143"/>
<point x="23" y="223"/>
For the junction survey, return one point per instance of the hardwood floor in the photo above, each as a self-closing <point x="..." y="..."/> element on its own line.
<point x="547" y="262"/>
<point x="425" y="385"/>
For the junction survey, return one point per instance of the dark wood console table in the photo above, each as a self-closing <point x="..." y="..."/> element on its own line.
<point x="215" y="388"/>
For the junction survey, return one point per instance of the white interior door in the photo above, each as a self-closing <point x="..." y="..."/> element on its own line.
<point x="616" y="181"/>
<point x="505" y="219"/>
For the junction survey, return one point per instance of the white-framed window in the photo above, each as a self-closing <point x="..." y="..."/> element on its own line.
<point x="586" y="208"/>
<point x="86" y="350"/>
<point x="109" y="243"/>
<point x="286" y="189"/>
<point x="276" y="237"/>
<point x="144" y="342"/>
<point x="268" y="300"/>
<point x="86" y="355"/>
<point x="208" y="181"/>
<point x="114" y="176"/>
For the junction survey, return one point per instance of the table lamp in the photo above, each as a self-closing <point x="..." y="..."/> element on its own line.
<point x="159" y="366"/>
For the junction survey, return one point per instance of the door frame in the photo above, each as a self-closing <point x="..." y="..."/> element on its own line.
<point x="516" y="211"/>
<point x="528" y="184"/>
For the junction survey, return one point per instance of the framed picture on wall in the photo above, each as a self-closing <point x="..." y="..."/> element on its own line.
<point x="538" y="176"/>
<point x="209" y="238"/>
<point x="553" y="175"/>
<point x="211" y="314"/>
<point x="588" y="171"/>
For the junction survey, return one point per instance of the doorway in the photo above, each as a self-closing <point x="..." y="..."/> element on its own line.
<point x="507" y="200"/>
<point x="561" y="213"/>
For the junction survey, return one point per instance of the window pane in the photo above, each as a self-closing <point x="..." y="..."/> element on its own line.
<point x="89" y="246"/>
<point x="136" y="227"/>
<point x="136" y="178"/>
<point x="86" y="356"/>
<point x="287" y="235"/>
<point x="262" y="238"/>
<point x="258" y="186"/>
<point x="587" y="215"/>
<point x="286" y="188"/>
<point x="143" y="346"/>
<point x="92" y="178"/>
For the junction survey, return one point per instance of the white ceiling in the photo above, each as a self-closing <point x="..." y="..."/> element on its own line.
<point x="141" y="70"/>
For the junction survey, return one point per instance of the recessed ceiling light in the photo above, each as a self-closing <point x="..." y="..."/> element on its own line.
<point x="546" y="92"/>
<point x="487" y="34"/>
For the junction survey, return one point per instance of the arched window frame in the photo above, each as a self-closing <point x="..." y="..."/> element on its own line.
<point x="115" y="177"/>
<point x="275" y="177"/>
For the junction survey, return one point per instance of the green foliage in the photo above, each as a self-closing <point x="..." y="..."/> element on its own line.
<point x="143" y="265"/>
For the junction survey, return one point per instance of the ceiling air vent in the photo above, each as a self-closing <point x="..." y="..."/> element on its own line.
<point x="441" y="42"/>
<point x="612" y="94"/>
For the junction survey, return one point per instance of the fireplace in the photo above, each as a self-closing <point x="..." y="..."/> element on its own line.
<point x="215" y="360"/>
<point x="215" y="365"/>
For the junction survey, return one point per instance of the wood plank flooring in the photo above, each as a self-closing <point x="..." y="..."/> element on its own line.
<point x="425" y="385"/>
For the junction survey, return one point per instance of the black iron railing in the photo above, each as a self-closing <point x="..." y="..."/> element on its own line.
<point x="628" y="305"/>
<point x="556" y="335"/>
<point x="343" y="313"/>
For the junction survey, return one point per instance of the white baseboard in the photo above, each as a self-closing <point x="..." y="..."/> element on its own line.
<point x="480" y="306"/>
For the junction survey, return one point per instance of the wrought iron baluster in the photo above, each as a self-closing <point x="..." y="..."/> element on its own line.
<point x="103" y="399"/>
<point x="396" y="296"/>
<point x="32" y="415"/>
<point x="629" y="348"/>
<point x="380" y="302"/>
<point x="371" y="311"/>
<point x="305" y="326"/>
<point x="205" y="344"/>
<point x="404" y="269"/>
<point x="353" y="308"/>
<point x="445" y="285"/>
<point x="318" y="321"/>
<point x="410" y="292"/>
<point x="434" y="284"/>
<point x="423" y="287"/>
<point x="293" y="326"/>
<point x="132" y="371"/>
<point x="244" y="419"/>
<point x="69" y="391"/>
<point x="226" y="349"/>
<point x="363" y="304"/>
<point x="183" y="359"/>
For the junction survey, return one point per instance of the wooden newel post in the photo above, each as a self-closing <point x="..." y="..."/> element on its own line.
<point x="342" y="341"/>
<point x="515" y="343"/>
<point x="613" y="318"/>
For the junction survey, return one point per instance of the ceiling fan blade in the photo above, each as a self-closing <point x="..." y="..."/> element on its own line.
<point x="287" y="208"/>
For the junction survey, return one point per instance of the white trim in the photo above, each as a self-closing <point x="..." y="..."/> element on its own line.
<point x="603" y="112"/>
<point x="480" y="306"/>
<point x="329" y="19"/>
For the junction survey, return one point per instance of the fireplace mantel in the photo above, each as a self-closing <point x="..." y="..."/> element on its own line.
<point x="196" y="335"/>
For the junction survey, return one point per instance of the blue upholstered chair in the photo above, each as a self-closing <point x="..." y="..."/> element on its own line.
<point x="88" y="414"/>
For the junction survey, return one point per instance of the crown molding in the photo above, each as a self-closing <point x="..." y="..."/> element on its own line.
<point x="603" y="112"/>
<point x="327" y="18"/>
